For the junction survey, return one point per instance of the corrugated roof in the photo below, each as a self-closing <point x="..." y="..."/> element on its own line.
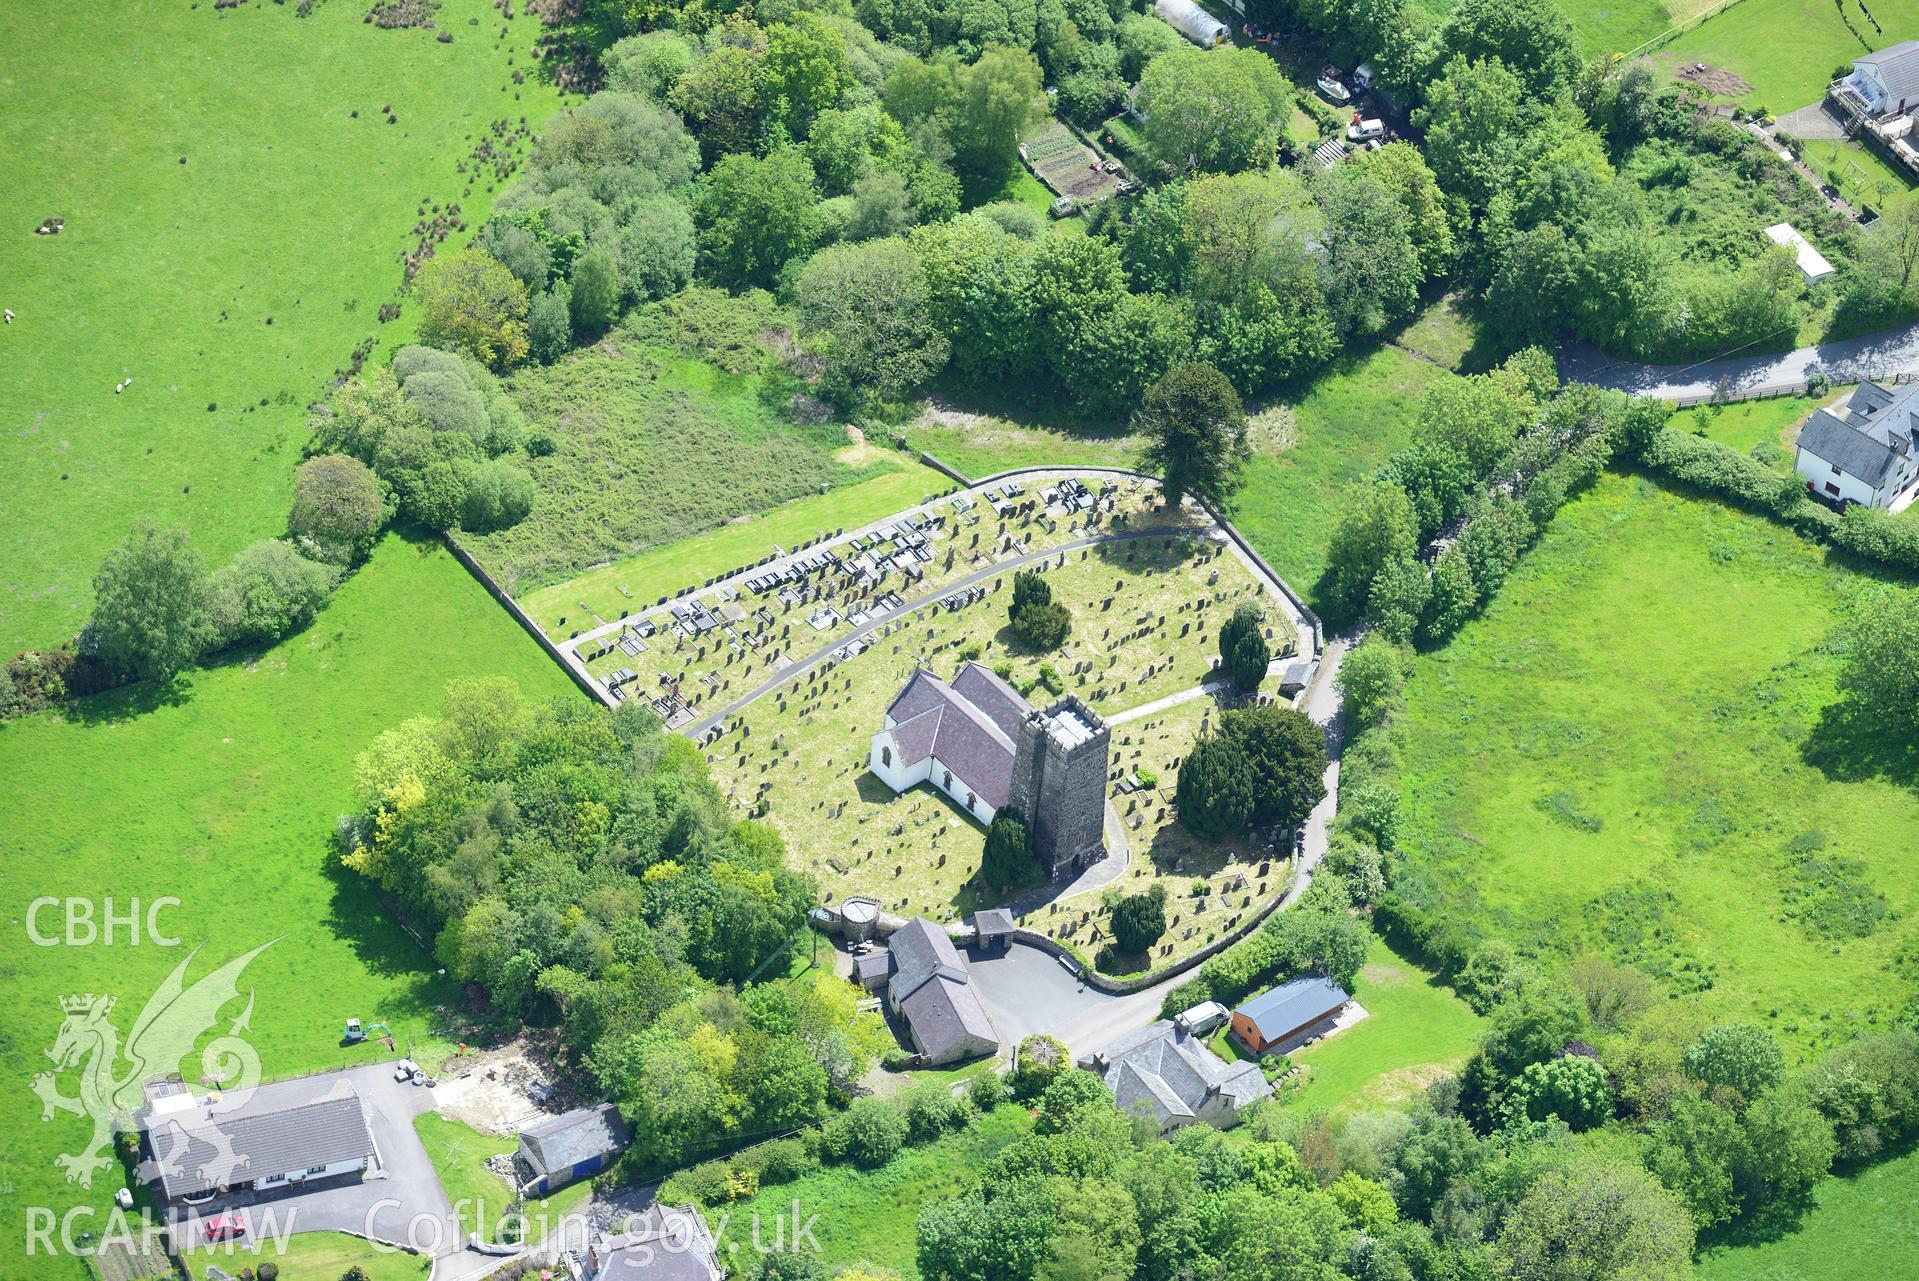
<point x="560" y="1144"/>
<point x="1294" y="1004"/>
<point x="195" y="1152"/>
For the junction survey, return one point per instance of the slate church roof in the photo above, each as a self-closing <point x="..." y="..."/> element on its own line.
<point x="970" y="726"/>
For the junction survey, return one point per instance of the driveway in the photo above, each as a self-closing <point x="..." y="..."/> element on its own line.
<point x="1880" y="355"/>
<point x="400" y="1202"/>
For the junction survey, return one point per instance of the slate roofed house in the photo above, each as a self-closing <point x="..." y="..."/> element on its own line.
<point x="280" y="1137"/>
<point x="664" y="1244"/>
<point x="1165" y="1073"/>
<point x="571" y="1146"/>
<point x="1283" y="1018"/>
<point x="1863" y="451"/>
<point x="1885" y="83"/>
<point x="930" y="990"/>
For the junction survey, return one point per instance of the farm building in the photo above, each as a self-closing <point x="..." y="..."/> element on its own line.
<point x="1193" y="22"/>
<point x="930" y="989"/>
<point x="571" y="1146"/>
<point x="1866" y="451"/>
<point x="1812" y="264"/>
<point x="1282" y="1018"/>
<point x="280" y="1137"/>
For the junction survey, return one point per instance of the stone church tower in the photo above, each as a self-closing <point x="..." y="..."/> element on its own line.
<point x="1059" y="784"/>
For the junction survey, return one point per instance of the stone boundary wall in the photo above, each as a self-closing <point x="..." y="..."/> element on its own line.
<point x="532" y="628"/>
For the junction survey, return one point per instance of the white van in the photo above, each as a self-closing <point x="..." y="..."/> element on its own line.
<point x="1365" y="130"/>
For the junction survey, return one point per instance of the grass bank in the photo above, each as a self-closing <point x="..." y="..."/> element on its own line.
<point x="223" y="795"/>
<point x="236" y="205"/>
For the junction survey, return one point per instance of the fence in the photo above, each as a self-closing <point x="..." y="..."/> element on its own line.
<point x="1798" y="387"/>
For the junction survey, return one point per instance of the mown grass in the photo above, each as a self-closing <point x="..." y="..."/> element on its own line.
<point x="867" y="1217"/>
<point x="223" y="794"/>
<point x="312" y="1256"/>
<point x="980" y="437"/>
<point x="636" y="582"/>
<point x="1863" y="179"/>
<point x="1415" y="1031"/>
<point x="654" y="445"/>
<point x="1746" y="423"/>
<point x="481" y="1199"/>
<point x="1787" y="50"/>
<point x="1859" y="1228"/>
<point x="1633" y="752"/>
<point x="231" y="232"/>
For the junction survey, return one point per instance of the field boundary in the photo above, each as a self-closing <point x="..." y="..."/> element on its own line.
<point x="584" y="683"/>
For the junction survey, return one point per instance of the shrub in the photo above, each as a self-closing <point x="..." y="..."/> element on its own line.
<point x="1043" y="626"/>
<point x="1138" y="920"/>
<point x="339" y="508"/>
<point x="1214" y="793"/>
<point x="1709" y="465"/>
<point x="1879" y="535"/>
<point x="498" y="494"/>
<point x="1041" y="1061"/>
<point x="987" y="1091"/>
<point x="268" y="591"/>
<point x="869" y="1134"/>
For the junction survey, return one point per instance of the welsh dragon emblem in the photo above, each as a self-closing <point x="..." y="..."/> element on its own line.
<point x="163" y="1037"/>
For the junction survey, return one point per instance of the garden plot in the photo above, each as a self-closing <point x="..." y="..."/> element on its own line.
<point x="1066" y="165"/>
<point x="1146" y="615"/>
<point x="703" y="650"/>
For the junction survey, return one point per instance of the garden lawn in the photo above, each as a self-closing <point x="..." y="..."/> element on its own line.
<point x="312" y="1256"/>
<point x="635" y="582"/>
<point x="654" y="445"/>
<point x="225" y="796"/>
<point x="480" y="1197"/>
<point x="867" y="1217"/>
<point x="231" y="232"/>
<point x="1864" y="180"/>
<point x="1787" y="50"/>
<point x="1627" y="754"/>
<point x="1745" y="423"/>
<point x="1859" y="1228"/>
<point x="1308" y="456"/>
<point x="1415" y="1031"/>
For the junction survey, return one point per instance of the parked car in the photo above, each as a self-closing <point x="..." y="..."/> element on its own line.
<point x="1365" y="130"/>
<point x="1333" y="86"/>
<point x="226" y="1227"/>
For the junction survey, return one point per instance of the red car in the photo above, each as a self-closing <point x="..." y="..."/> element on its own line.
<point x="226" y="1227"/>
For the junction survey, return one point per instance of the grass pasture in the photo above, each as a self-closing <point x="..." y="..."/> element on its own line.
<point x="232" y="229"/>
<point x="223" y="795"/>
<point x="1787" y="50"/>
<point x="655" y="444"/>
<point x="1860" y="1226"/>
<point x="1629" y="753"/>
<point x="866" y="1217"/>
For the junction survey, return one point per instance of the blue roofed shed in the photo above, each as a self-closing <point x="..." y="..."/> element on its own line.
<point x="1281" y="1018"/>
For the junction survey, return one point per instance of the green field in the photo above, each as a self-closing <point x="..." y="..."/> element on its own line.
<point x="1859" y="1228"/>
<point x="1627" y="753"/>
<point x="224" y="796"/>
<point x="1307" y="456"/>
<point x="898" y="483"/>
<point x="655" y="444"/>
<point x="1742" y="424"/>
<point x="231" y="231"/>
<point x="1416" y="1031"/>
<point x="866" y="1217"/>
<point x="1787" y="50"/>
<point x="314" y="1256"/>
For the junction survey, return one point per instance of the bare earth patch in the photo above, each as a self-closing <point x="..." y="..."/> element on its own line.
<point x="1714" y="80"/>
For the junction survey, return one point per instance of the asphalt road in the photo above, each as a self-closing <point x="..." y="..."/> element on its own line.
<point x="1880" y="355"/>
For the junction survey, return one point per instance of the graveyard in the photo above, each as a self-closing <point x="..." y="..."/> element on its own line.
<point x="821" y="656"/>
